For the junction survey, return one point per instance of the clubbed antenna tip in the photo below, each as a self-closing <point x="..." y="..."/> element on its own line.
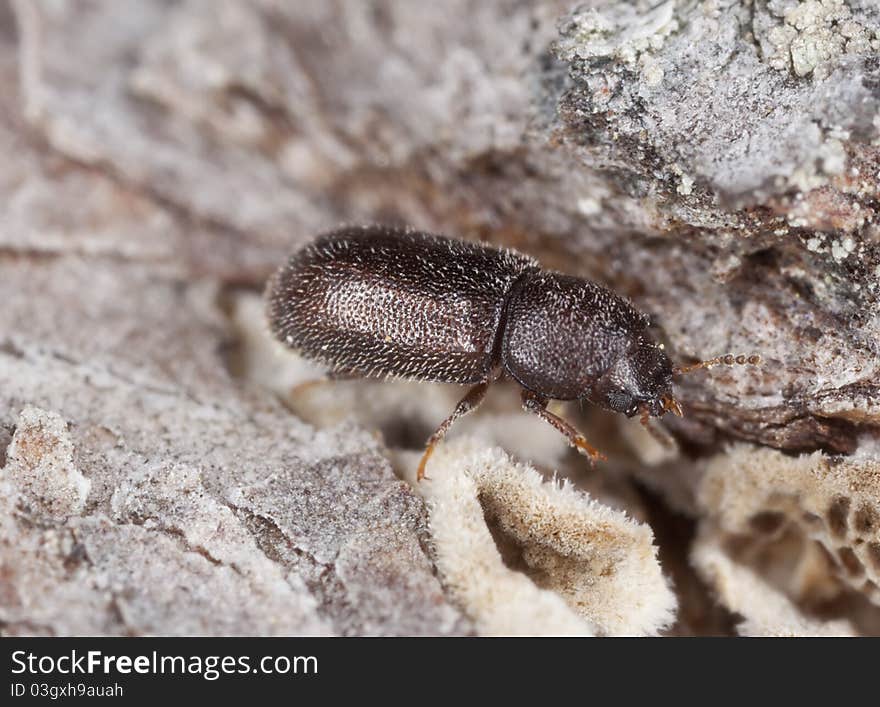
<point x="726" y="360"/>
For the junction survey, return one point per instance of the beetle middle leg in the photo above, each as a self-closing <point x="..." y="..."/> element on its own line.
<point x="333" y="375"/>
<point x="468" y="403"/>
<point x="537" y="404"/>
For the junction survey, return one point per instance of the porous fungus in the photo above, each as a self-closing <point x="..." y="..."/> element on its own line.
<point x="762" y="497"/>
<point x="527" y="556"/>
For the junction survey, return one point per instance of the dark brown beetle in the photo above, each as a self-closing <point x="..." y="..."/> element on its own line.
<point x="384" y="302"/>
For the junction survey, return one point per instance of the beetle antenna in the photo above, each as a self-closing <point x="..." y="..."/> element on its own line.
<point x="726" y="360"/>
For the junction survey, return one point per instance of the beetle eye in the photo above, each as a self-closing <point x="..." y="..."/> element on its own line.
<point x="619" y="401"/>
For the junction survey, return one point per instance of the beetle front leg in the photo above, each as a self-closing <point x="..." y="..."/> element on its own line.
<point x="468" y="403"/>
<point x="536" y="404"/>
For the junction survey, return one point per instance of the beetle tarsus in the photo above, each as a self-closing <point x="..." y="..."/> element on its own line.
<point x="537" y="405"/>
<point x="588" y="450"/>
<point x="429" y="450"/>
<point x="468" y="403"/>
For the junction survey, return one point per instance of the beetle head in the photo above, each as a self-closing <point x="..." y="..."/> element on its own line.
<point x="639" y="381"/>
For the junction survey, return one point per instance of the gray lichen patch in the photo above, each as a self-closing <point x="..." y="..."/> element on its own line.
<point x="723" y="118"/>
<point x="626" y="32"/>
<point x="809" y="37"/>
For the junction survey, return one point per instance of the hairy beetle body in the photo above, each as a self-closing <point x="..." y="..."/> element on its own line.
<point x="385" y="302"/>
<point x="377" y="301"/>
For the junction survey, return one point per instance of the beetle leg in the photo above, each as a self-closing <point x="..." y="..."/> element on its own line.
<point x="656" y="431"/>
<point x="467" y="404"/>
<point x="537" y="404"/>
<point x="335" y="374"/>
<point x="300" y="388"/>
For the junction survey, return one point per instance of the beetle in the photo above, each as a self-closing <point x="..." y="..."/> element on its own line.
<point x="377" y="301"/>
